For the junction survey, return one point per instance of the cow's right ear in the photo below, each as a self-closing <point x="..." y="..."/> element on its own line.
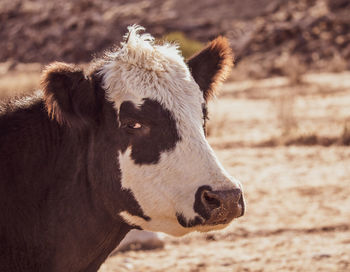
<point x="68" y="94"/>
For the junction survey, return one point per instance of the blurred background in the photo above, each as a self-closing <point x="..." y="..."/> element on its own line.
<point x="281" y="123"/>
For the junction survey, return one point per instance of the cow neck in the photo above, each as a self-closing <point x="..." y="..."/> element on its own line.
<point x="93" y="228"/>
<point x="68" y="222"/>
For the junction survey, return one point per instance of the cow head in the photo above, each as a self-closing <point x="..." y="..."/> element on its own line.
<point x="163" y="157"/>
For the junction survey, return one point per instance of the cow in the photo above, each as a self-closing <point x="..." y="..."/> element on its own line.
<point x="118" y="145"/>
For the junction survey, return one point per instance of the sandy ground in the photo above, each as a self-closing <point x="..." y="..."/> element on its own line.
<point x="298" y="204"/>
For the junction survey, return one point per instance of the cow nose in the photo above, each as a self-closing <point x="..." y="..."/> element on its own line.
<point x="222" y="206"/>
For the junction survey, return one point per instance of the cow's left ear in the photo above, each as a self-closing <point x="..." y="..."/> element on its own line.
<point x="211" y="66"/>
<point x="68" y="94"/>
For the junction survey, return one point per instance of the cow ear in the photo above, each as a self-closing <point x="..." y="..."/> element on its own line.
<point x="68" y="94"/>
<point x="211" y="66"/>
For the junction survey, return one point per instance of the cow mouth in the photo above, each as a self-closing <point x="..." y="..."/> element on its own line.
<point x="200" y="221"/>
<point x="217" y="216"/>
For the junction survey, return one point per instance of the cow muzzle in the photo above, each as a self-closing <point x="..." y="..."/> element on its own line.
<point x="219" y="207"/>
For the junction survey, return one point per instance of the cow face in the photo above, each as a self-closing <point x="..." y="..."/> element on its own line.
<point x="163" y="157"/>
<point x="167" y="162"/>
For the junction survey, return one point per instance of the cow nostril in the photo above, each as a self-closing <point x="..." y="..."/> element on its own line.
<point x="211" y="200"/>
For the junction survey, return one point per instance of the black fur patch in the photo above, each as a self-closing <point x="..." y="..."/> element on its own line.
<point x="198" y="208"/>
<point x="158" y="132"/>
<point x="188" y="223"/>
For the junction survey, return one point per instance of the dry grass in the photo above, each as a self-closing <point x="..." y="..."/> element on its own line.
<point x="283" y="111"/>
<point x="18" y="79"/>
<point x="187" y="46"/>
<point x="214" y="127"/>
<point x="345" y="136"/>
<point x="285" y="108"/>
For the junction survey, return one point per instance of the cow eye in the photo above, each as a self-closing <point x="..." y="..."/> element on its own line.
<point x="133" y="125"/>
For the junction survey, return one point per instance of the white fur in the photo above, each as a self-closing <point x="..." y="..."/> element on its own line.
<point x="141" y="69"/>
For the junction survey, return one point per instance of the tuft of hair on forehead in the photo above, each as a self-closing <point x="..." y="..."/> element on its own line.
<point x="141" y="68"/>
<point x="140" y="50"/>
<point x="211" y="66"/>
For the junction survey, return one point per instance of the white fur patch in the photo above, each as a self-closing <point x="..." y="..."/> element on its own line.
<point x="142" y="69"/>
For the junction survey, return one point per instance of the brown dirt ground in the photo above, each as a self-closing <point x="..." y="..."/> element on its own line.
<point x="298" y="204"/>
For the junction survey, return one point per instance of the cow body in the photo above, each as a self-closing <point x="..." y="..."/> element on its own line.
<point x="96" y="153"/>
<point x="52" y="214"/>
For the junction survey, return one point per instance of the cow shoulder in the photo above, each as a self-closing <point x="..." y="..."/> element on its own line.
<point x="211" y="66"/>
<point x="68" y="94"/>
